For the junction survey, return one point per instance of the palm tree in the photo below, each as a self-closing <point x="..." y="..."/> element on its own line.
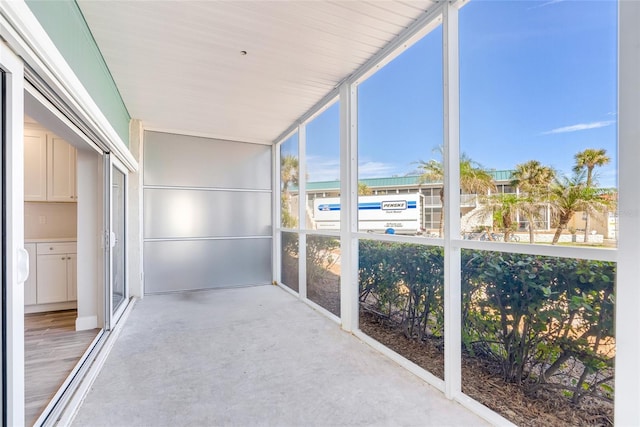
<point x="288" y="171"/>
<point x="589" y="159"/>
<point x="571" y="195"/>
<point x="504" y="207"/>
<point x="289" y="167"/>
<point x="473" y="179"/>
<point x="533" y="180"/>
<point x="501" y="208"/>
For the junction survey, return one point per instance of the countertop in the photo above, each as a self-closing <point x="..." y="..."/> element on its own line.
<point x="51" y="240"/>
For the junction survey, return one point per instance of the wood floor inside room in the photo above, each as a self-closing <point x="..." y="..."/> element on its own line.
<point x="52" y="350"/>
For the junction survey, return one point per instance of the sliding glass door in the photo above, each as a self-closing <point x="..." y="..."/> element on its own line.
<point x="116" y="254"/>
<point x="14" y="264"/>
<point x="119" y="294"/>
<point x="3" y="275"/>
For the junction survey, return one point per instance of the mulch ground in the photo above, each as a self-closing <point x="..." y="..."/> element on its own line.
<point x="479" y="382"/>
<point x="423" y="354"/>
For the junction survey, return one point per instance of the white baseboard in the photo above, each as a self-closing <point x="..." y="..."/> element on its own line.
<point x="86" y="322"/>
<point x="56" y="306"/>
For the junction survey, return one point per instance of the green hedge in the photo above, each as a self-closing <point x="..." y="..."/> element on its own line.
<point x="532" y="316"/>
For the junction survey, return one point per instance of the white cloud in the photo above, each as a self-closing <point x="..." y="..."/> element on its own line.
<point x="547" y="3"/>
<point x="328" y="169"/>
<point x="580" y="126"/>
<point x="373" y="169"/>
<point x="322" y="169"/>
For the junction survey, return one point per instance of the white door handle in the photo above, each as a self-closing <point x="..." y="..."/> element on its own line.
<point x="23" y="265"/>
<point x="114" y="239"/>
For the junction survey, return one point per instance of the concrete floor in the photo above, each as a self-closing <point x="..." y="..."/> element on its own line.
<point x="253" y="357"/>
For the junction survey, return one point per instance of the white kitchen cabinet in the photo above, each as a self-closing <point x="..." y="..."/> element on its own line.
<point x="49" y="167"/>
<point x="52" y="279"/>
<point x="35" y="165"/>
<point x="56" y="272"/>
<point x="61" y="170"/>
<point x="72" y="282"/>
<point x="30" y="291"/>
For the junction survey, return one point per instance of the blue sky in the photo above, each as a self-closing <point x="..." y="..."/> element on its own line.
<point x="537" y="81"/>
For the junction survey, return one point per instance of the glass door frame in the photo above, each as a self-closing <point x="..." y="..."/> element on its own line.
<point x="113" y="314"/>
<point x="15" y="260"/>
<point x="3" y="244"/>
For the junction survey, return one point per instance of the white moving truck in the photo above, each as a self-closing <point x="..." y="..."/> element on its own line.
<point x="392" y="213"/>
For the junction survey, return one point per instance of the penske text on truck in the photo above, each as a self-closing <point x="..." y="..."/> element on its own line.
<point x="401" y="213"/>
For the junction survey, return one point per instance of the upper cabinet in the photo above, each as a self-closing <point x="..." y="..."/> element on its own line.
<point x="35" y="165"/>
<point x="61" y="170"/>
<point x="49" y="168"/>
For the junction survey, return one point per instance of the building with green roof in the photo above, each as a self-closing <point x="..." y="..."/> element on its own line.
<point x="410" y="184"/>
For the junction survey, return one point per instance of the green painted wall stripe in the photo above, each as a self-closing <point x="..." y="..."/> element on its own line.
<point x="64" y="23"/>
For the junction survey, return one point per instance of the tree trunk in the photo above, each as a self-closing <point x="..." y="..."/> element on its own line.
<point x="556" y="236"/>
<point x="506" y="221"/>
<point x="566" y="355"/>
<point x="425" y="318"/>
<point x="532" y="237"/>
<point x="562" y="222"/>
<point x="577" y="394"/>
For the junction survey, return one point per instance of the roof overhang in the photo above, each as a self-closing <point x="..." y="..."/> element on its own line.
<point x="181" y="66"/>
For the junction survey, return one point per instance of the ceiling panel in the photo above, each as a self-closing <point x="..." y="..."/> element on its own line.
<point x="179" y="68"/>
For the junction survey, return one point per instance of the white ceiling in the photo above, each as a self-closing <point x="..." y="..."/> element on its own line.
<point x="179" y="68"/>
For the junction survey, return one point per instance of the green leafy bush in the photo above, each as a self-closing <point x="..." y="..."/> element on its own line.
<point x="404" y="283"/>
<point x="320" y="257"/>
<point x="546" y="322"/>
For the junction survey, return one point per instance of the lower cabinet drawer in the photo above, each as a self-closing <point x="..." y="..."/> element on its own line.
<point x="56" y="248"/>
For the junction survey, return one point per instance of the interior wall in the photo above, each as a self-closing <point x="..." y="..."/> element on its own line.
<point x="90" y="241"/>
<point x="207" y="213"/>
<point x="50" y="220"/>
